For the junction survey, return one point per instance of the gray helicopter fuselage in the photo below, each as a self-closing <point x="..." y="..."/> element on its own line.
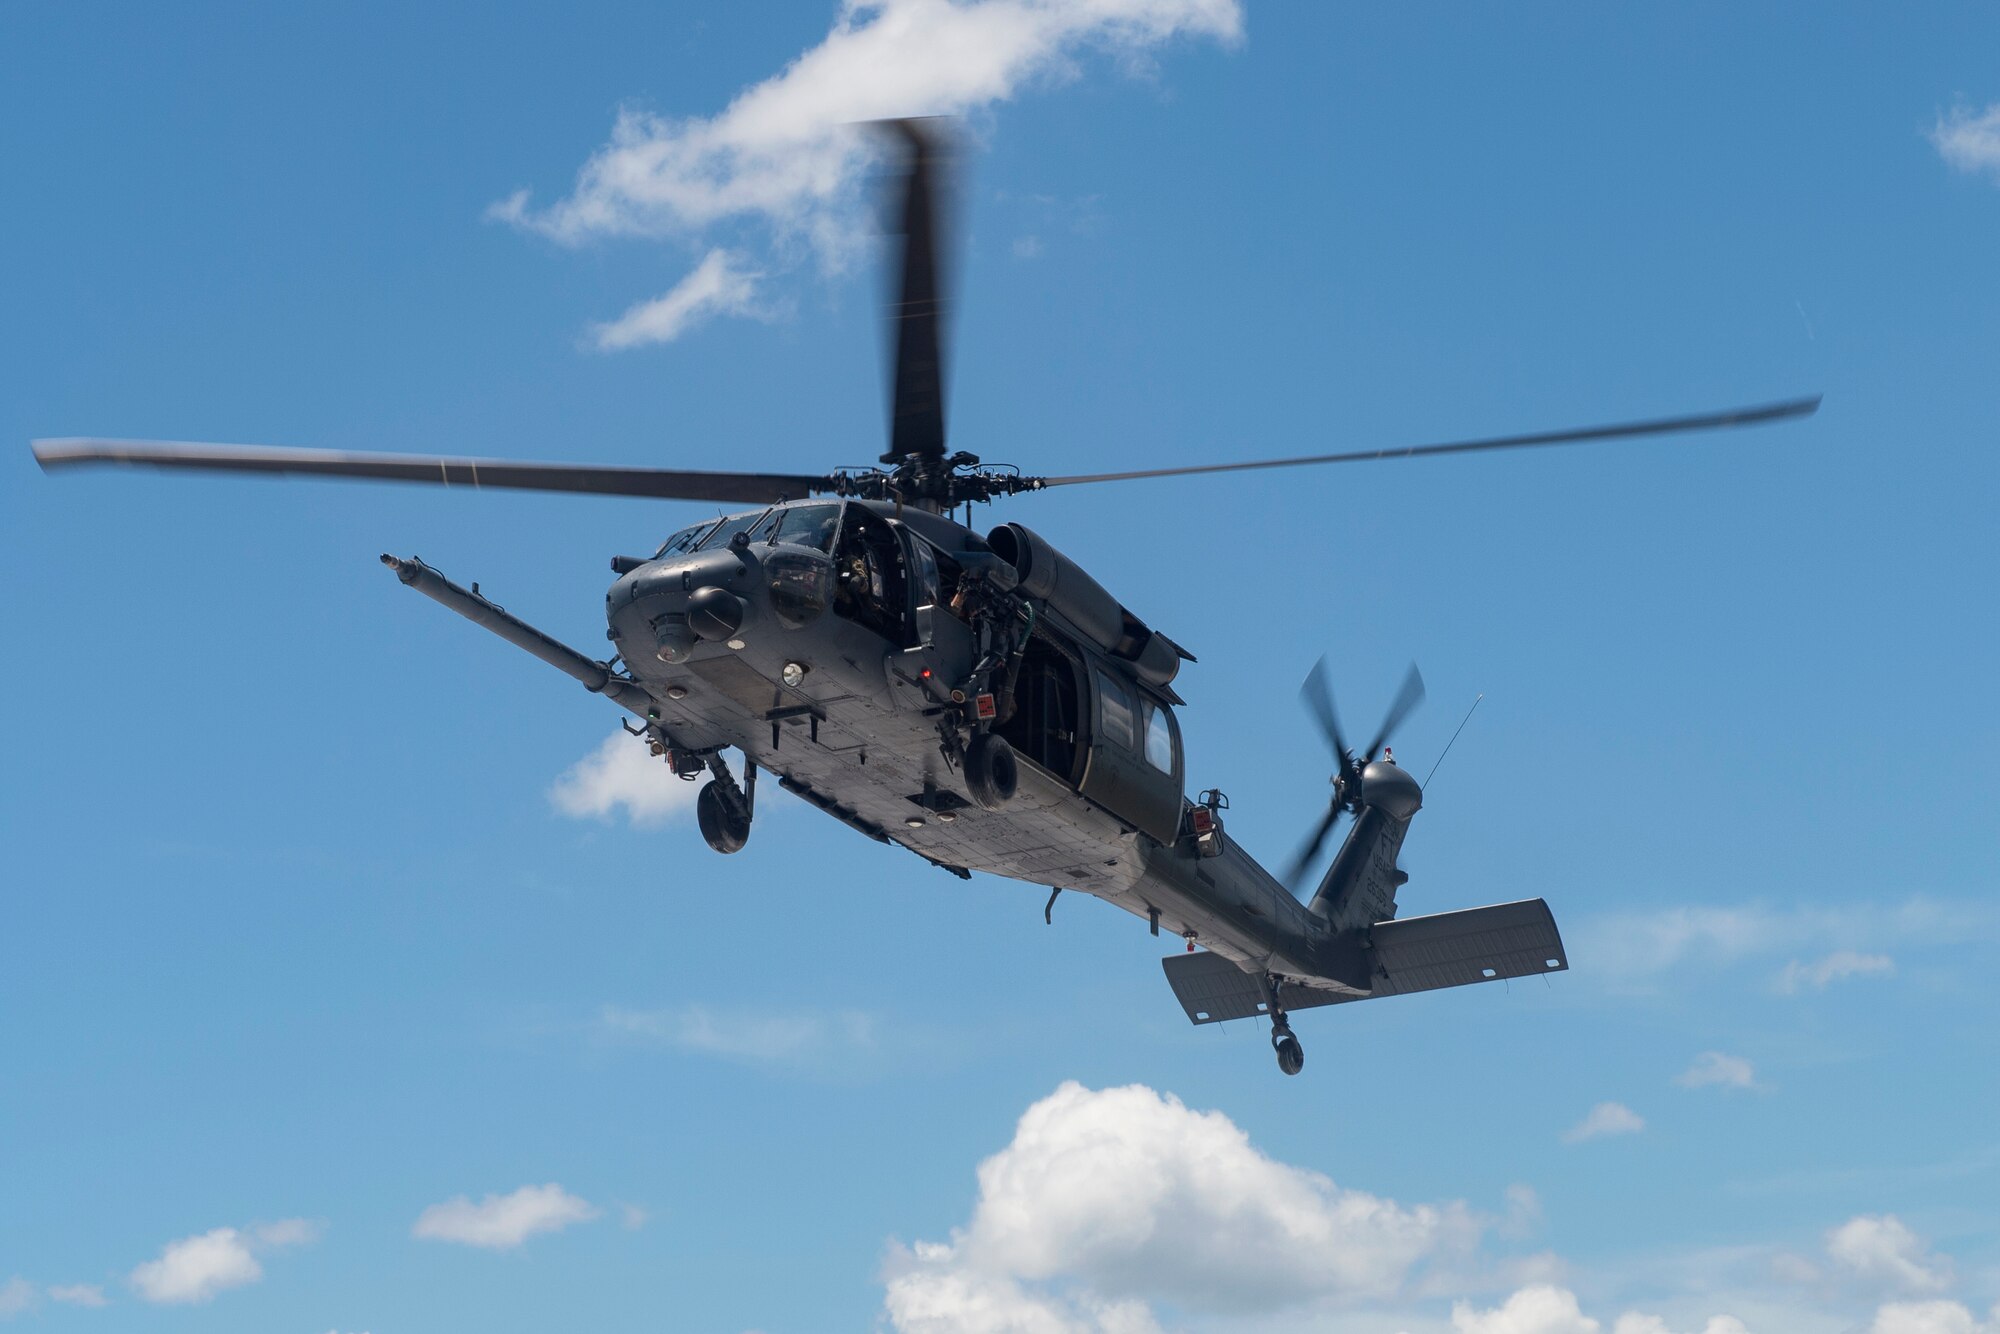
<point x="863" y="626"/>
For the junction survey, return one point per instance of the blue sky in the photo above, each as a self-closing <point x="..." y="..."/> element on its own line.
<point x="331" y="1004"/>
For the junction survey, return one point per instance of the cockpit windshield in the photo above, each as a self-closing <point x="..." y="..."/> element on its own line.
<point x="736" y="523"/>
<point x="809" y="526"/>
<point x="683" y="541"/>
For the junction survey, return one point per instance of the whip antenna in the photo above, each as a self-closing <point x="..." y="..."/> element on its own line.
<point x="1454" y="740"/>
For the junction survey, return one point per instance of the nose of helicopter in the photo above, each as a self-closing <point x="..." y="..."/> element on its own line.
<point x="665" y="609"/>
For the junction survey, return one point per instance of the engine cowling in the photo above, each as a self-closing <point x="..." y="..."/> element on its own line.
<point x="1048" y="575"/>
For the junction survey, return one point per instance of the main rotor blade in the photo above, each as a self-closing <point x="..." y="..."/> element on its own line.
<point x="916" y="406"/>
<point x="1408" y="697"/>
<point x="1305" y="855"/>
<point x="592" y="479"/>
<point x="1707" y="421"/>
<point x="1318" y="696"/>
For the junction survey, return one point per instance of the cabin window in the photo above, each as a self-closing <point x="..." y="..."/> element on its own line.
<point x="1115" y="709"/>
<point x="685" y="540"/>
<point x="808" y="526"/>
<point x="1159" y="738"/>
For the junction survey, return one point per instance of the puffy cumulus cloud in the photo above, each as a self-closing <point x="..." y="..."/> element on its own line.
<point x="1107" y="1198"/>
<point x="1881" y="1248"/>
<point x="1835" y="967"/>
<point x="1545" y="1309"/>
<point x="811" y="1038"/>
<point x="1604" y="1120"/>
<point x="1714" y="1068"/>
<point x="502" y="1222"/>
<point x="719" y="285"/>
<point x="1938" y="1317"/>
<point x="1970" y="140"/>
<point x="195" y="1269"/>
<point x="622" y="775"/>
<point x="787" y="153"/>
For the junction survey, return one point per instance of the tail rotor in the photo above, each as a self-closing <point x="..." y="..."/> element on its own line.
<point x="1347" y="794"/>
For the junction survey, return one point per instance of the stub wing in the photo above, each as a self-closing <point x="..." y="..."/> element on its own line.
<point x="1450" y="949"/>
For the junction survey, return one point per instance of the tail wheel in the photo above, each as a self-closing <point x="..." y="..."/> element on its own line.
<point x="721" y="826"/>
<point x="991" y="771"/>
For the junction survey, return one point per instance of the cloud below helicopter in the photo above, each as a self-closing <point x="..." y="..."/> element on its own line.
<point x="787" y="154"/>
<point x="1180" y="1222"/>
<point x="620" y="776"/>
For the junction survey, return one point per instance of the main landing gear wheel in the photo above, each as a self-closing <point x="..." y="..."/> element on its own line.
<point x="725" y="829"/>
<point x="1291" y="1056"/>
<point x="990" y="770"/>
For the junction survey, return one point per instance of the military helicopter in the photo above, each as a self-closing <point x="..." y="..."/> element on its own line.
<point x="977" y="699"/>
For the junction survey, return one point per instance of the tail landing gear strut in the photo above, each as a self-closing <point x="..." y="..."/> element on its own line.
<point x="1291" y="1056"/>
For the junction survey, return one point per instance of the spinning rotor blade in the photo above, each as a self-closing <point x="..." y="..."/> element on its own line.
<point x="916" y="406"/>
<point x="592" y="479"/>
<point x="1310" y="848"/>
<point x="1707" y="421"/>
<point x="1407" y="698"/>
<point x="1319" y="698"/>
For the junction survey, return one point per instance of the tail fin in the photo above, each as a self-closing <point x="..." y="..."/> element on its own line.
<point x="1360" y="887"/>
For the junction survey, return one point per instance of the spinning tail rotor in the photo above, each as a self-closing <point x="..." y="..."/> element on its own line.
<point x="1347" y="785"/>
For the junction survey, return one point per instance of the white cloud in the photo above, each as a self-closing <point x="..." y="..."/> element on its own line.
<point x="1637" y="947"/>
<point x="1106" y="1199"/>
<point x="1835" y="967"/>
<point x="1605" y="1119"/>
<point x="1970" y="140"/>
<point x="1027" y="247"/>
<point x="1545" y="1309"/>
<point x="787" y="153"/>
<point x="1882" y="1249"/>
<point x="502" y="1222"/>
<point x="756" y="1038"/>
<point x="195" y="1269"/>
<point x="77" y="1294"/>
<point x="16" y="1296"/>
<point x="1932" y="1318"/>
<point x="719" y="285"/>
<point x="621" y="774"/>
<point x="1540" y="1309"/>
<point x="1718" y="1068"/>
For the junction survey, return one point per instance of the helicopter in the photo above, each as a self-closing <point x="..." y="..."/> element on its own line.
<point x="978" y="699"/>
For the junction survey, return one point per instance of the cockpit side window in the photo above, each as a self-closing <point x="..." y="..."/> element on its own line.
<point x="736" y="523"/>
<point x="808" y="526"/>
<point x="685" y="540"/>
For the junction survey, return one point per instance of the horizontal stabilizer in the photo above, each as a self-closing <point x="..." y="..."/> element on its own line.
<point x="1451" y="949"/>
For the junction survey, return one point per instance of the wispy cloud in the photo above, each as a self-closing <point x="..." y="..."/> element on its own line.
<point x="719" y="285"/>
<point x="1717" y="1069"/>
<point x="195" y="1269"/>
<point x="503" y="1222"/>
<point x="809" y="1037"/>
<point x="1604" y="1120"/>
<point x="1835" y="967"/>
<point x="787" y="154"/>
<point x="1636" y="948"/>
<point x="17" y="1296"/>
<point x="621" y="775"/>
<point x="78" y="1294"/>
<point x="1970" y="140"/>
